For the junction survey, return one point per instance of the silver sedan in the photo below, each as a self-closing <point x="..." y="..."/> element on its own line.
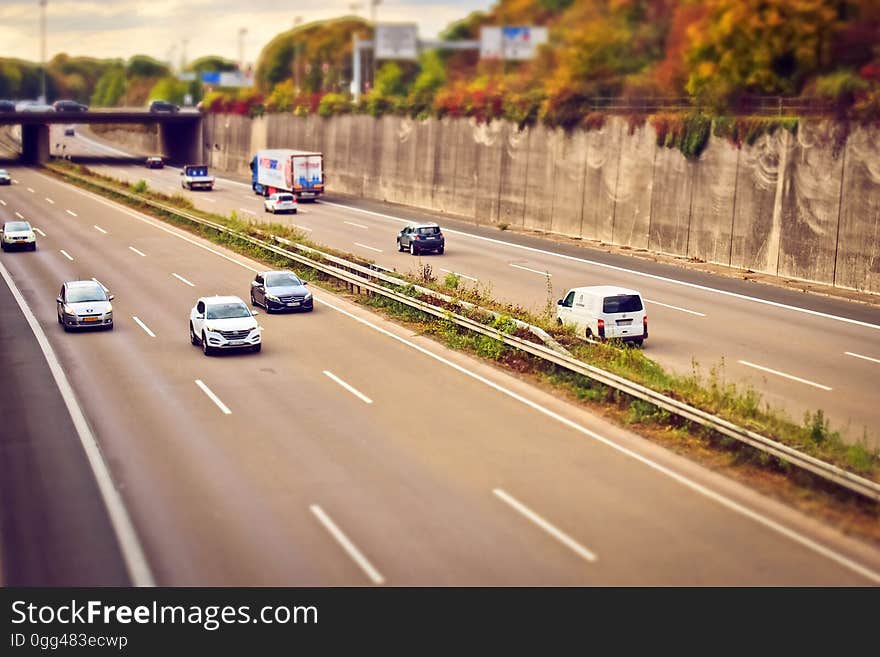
<point x="84" y="304"/>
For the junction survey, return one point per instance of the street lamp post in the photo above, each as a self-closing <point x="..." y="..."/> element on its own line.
<point x="241" y="32"/>
<point x="296" y="46"/>
<point x="43" y="4"/>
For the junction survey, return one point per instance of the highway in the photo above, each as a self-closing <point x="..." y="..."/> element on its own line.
<point x="802" y="352"/>
<point x="351" y="452"/>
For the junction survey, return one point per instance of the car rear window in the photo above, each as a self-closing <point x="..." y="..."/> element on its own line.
<point x="622" y="303"/>
<point x="287" y="198"/>
<point x="429" y="230"/>
<point x="197" y="171"/>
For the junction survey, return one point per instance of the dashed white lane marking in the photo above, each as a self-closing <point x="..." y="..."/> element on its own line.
<point x="66" y="255"/>
<point x="50" y="201"/>
<point x="71" y="213"/>
<point x="19" y="215"/>
<point x="556" y="533"/>
<point x="99" y="229"/>
<point x="684" y="310"/>
<point x="534" y="271"/>
<point x="351" y="223"/>
<point x="347" y="545"/>
<point x="449" y="271"/>
<point x="30" y="190"/>
<point x="39" y="231"/>
<point x="371" y="248"/>
<point x="868" y="358"/>
<point x="214" y="398"/>
<point x="140" y="253"/>
<point x="181" y="278"/>
<point x="784" y="375"/>
<point x="143" y="326"/>
<point x="2" y="202"/>
<point x="357" y="393"/>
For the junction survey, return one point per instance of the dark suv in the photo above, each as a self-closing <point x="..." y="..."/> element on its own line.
<point x="163" y="106"/>
<point x="69" y="106"/>
<point x="421" y="237"/>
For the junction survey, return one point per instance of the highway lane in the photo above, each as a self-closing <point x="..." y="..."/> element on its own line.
<point x="798" y="361"/>
<point x="443" y="478"/>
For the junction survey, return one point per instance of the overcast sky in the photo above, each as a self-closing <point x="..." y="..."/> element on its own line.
<point x="121" y="28"/>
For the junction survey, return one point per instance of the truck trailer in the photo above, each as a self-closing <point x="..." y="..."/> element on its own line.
<point x="285" y="170"/>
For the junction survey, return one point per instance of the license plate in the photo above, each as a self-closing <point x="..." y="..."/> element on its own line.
<point x="236" y="342"/>
<point x="293" y="304"/>
<point x="90" y="319"/>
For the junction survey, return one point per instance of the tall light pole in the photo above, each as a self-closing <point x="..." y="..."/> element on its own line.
<point x="296" y="21"/>
<point x="373" y="4"/>
<point x="241" y="32"/>
<point x="43" y="4"/>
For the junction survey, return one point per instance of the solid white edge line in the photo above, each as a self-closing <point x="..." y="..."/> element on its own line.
<point x="39" y="231"/>
<point x="357" y="393"/>
<point x="66" y="255"/>
<point x="449" y="271"/>
<point x="71" y="213"/>
<point x="534" y="271"/>
<point x="868" y="358"/>
<point x="347" y="545"/>
<point x="140" y="253"/>
<point x="99" y="229"/>
<point x="129" y="545"/>
<point x="634" y="272"/>
<point x="371" y="248"/>
<point x="684" y="310"/>
<point x="784" y="375"/>
<point x="351" y="223"/>
<point x="305" y="228"/>
<point x="554" y="531"/>
<point x="214" y="398"/>
<point x="181" y="278"/>
<point x="248" y="211"/>
<point x="143" y="326"/>
<point x="720" y="499"/>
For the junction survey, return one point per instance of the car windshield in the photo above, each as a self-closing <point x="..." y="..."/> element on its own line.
<point x="86" y="293"/>
<point x="282" y="280"/>
<point x="4" y="172"/>
<point x="622" y="303"/>
<point x="227" y="311"/>
<point x="429" y="230"/>
<point x="15" y="226"/>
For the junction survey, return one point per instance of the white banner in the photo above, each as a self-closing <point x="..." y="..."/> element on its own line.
<point x="512" y="42"/>
<point x="397" y="41"/>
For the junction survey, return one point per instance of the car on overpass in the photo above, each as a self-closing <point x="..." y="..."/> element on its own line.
<point x="421" y="237"/>
<point x="17" y="235"/>
<point x="280" y="202"/>
<point x="5" y="178"/>
<point x="223" y="324"/>
<point x="33" y="106"/>
<point x="155" y="162"/>
<point x="69" y="106"/>
<point x="84" y="305"/>
<point x="158" y="106"/>
<point x="281" y="290"/>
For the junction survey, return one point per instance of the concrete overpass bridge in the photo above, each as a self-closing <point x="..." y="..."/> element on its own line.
<point x="180" y="134"/>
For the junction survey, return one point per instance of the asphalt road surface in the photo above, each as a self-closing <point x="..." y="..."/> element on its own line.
<point x="351" y="452"/>
<point x="802" y="352"/>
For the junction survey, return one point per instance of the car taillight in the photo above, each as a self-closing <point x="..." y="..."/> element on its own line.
<point x="601" y="328"/>
<point x="645" y="326"/>
<point x="417" y="237"/>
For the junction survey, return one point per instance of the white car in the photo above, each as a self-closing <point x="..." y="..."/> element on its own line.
<point x="220" y="323"/>
<point x="33" y="106"/>
<point x="17" y="235"/>
<point x="5" y="178"/>
<point x="604" y="312"/>
<point x="280" y="202"/>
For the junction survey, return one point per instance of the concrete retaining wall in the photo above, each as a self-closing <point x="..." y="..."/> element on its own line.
<point x="796" y="206"/>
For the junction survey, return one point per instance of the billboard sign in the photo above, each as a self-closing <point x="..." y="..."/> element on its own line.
<point x="511" y="42"/>
<point x="397" y="41"/>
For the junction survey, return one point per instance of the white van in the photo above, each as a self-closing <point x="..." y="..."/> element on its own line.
<point x="604" y="312"/>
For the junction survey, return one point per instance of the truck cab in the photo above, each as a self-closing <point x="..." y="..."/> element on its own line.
<point x="195" y="176"/>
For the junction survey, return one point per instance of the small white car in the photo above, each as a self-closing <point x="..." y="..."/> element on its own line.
<point x="221" y="323"/>
<point x="604" y="312"/>
<point x="280" y="202"/>
<point x="17" y="235"/>
<point x="5" y="178"/>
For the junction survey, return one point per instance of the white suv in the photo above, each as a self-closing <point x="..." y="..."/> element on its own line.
<point x="219" y="323"/>
<point x="17" y="235"/>
<point x="280" y="202"/>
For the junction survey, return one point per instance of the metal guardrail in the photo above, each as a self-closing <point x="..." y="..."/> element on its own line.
<point x="361" y="277"/>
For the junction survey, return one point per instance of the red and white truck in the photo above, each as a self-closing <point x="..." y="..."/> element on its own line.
<point x="285" y="170"/>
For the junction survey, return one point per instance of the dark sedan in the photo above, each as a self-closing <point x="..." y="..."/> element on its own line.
<point x="163" y="106"/>
<point x="280" y="290"/>
<point x="69" y="106"/>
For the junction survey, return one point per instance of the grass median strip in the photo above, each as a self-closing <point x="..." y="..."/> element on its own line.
<point x="710" y="391"/>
